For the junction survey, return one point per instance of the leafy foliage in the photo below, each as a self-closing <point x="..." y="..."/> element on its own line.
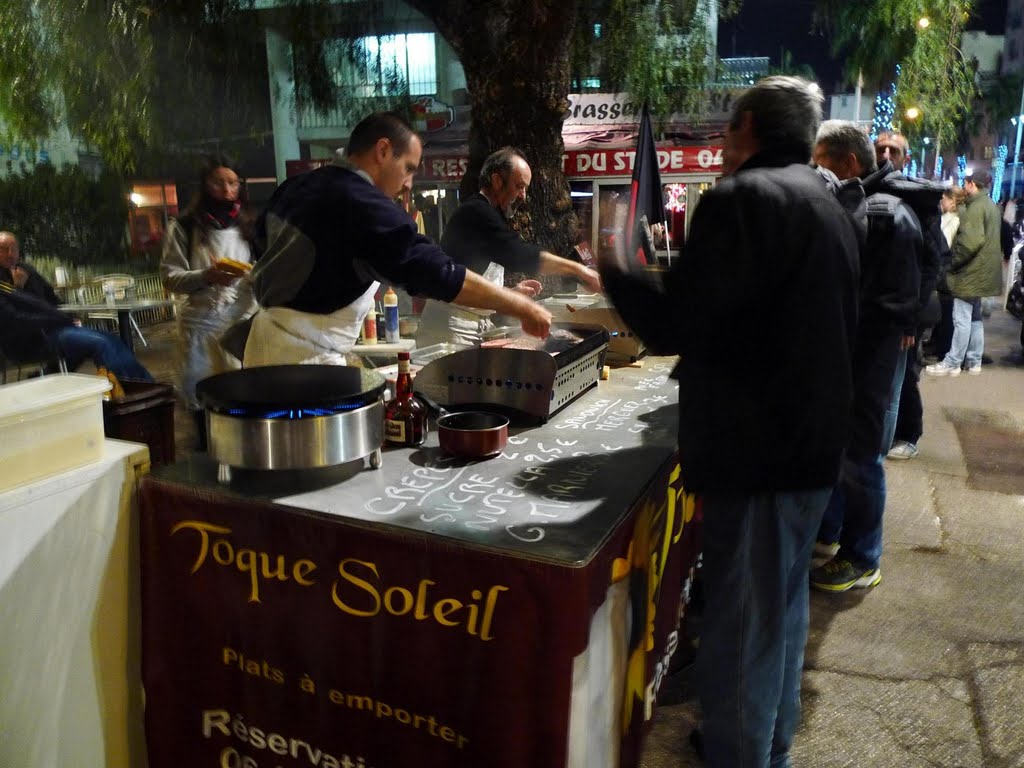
<point x="67" y="215"/>
<point x="876" y="35"/>
<point x="86" y="63"/>
<point x="788" y="65"/>
<point x="657" y="52"/>
<point x="132" y="77"/>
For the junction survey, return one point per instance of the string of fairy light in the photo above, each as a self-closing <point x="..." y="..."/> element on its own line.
<point x="885" y="108"/>
<point x="1002" y="151"/>
<point x="884" y="120"/>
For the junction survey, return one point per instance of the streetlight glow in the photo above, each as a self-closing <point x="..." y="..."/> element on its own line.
<point x="923" y="22"/>
<point x="912" y="113"/>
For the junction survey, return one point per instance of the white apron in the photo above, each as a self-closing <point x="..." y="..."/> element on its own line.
<point x="282" y="336"/>
<point x="442" y="322"/>
<point x="204" y="316"/>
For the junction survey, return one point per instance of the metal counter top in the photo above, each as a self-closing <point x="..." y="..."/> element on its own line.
<point x="555" y="493"/>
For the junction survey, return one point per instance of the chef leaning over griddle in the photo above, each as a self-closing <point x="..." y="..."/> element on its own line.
<point x="479" y="236"/>
<point x="329" y="236"/>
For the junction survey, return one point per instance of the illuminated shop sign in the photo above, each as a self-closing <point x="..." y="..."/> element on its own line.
<point x="595" y="162"/>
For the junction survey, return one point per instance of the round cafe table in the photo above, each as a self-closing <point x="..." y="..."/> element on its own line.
<point x="123" y="309"/>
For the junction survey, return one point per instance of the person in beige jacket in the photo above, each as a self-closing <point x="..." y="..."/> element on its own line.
<point x="205" y="259"/>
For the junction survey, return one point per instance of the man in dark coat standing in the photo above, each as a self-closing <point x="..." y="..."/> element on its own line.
<point x="771" y="252"/>
<point x="890" y="291"/>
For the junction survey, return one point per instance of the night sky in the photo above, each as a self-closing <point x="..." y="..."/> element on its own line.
<point x="765" y="27"/>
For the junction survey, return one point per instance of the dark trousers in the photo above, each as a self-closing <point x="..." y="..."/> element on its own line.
<point x="910" y="422"/>
<point x="942" y="333"/>
<point x="199" y="417"/>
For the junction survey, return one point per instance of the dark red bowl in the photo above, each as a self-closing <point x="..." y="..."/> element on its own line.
<point x="472" y="434"/>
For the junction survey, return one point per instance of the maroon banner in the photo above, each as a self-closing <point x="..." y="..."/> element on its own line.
<point x="619" y="162"/>
<point x="284" y="638"/>
<point x="588" y="163"/>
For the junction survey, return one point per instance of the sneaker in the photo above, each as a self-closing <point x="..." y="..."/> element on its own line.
<point x="823" y="552"/>
<point x="841" y="575"/>
<point x="902" y="450"/>
<point x="942" y="370"/>
<point x="975" y="370"/>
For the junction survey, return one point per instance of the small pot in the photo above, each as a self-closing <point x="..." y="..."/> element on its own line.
<point x="472" y="434"/>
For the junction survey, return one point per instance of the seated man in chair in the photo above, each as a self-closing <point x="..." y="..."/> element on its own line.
<point x="20" y="274"/>
<point x="29" y="322"/>
<point x="29" y="325"/>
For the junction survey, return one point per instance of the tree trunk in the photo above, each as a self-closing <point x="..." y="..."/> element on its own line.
<point x="516" y="59"/>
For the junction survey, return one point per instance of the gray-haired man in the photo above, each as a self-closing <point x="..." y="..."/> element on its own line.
<point x="772" y="259"/>
<point x="478" y="236"/>
<point x="851" y="529"/>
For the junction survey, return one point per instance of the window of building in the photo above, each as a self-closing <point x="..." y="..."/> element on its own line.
<point x="384" y="64"/>
<point x="152" y="204"/>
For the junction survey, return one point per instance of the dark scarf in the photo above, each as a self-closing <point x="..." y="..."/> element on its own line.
<point x="222" y="214"/>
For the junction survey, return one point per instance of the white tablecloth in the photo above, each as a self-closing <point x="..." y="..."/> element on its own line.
<point x="70" y="691"/>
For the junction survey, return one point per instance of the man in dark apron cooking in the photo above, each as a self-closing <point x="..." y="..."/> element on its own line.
<point x="329" y="236"/>
<point x="479" y="237"/>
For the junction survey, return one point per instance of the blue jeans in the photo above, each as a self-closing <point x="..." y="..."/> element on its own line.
<point x="893" y="411"/>
<point x="854" y="513"/>
<point x="77" y="345"/>
<point x="968" y="335"/>
<point x="757" y="551"/>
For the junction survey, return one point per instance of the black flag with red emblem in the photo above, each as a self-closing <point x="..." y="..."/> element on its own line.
<point x="646" y="207"/>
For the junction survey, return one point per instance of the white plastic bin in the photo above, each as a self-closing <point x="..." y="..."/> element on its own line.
<point x="50" y="425"/>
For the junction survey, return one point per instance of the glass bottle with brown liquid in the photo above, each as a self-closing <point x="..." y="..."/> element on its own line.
<point x="405" y="417"/>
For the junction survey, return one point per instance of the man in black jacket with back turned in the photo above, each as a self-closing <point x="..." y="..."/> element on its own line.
<point x="771" y="252"/>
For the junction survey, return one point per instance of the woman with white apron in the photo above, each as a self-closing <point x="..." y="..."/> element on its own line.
<point x="205" y="256"/>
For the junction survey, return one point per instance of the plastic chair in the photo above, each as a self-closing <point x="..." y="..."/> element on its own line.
<point x="121" y="287"/>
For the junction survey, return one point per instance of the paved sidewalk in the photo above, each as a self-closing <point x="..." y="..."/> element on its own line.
<point x="926" y="669"/>
<point x="160" y="359"/>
